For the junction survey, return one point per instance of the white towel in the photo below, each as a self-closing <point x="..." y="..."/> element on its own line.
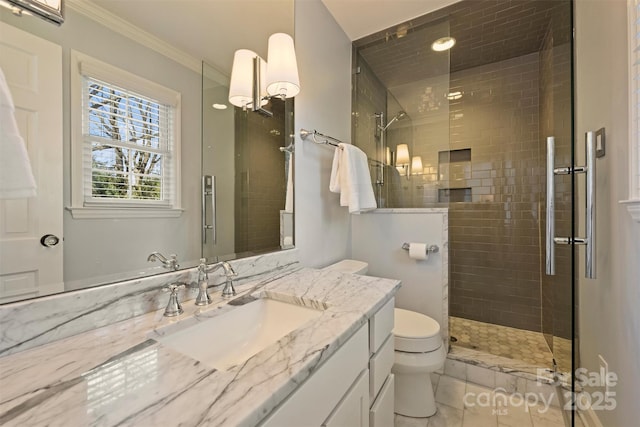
<point x="16" y="178"/>
<point x="350" y="177"/>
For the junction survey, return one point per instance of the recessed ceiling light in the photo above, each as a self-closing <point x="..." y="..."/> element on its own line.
<point x="452" y="96"/>
<point x="220" y="106"/>
<point x="442" y="44"/>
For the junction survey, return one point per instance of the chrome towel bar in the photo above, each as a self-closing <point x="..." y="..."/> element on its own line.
<point x="328" y="140"/>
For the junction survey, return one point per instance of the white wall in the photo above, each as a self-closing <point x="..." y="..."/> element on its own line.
<point x="610" y="305"/>
<point x="378" y="238"/>
<point x="324" y="103"/>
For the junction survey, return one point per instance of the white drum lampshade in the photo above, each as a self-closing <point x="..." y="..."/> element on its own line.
<point x="241" y="84"/>
<point x="282" y="68"/>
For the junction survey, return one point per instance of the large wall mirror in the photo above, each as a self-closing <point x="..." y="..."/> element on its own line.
<point x="94" y="91"/>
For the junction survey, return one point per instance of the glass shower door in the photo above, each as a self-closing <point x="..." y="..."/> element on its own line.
<point x="557" y="217"/>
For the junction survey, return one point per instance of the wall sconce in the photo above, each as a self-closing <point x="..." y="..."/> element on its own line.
<point x="254" y="81"/>
<point x="402" y="159"/>
<point x="416" y="165"/>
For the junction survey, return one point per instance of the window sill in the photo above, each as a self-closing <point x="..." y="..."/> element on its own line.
<point x="120" y="212"/>
<point x="633" y="206"/>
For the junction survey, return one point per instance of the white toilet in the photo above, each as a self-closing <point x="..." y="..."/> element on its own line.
<point x="419" y="351"/>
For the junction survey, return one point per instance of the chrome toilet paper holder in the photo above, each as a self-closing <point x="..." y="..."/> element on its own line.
<point x="432" y="249"/>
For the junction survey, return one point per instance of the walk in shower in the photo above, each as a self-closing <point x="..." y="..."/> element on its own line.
<point x="464" y="127"/>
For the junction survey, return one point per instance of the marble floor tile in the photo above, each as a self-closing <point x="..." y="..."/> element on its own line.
<point x="510" y="383"/>
<point x="464" y="404"/>
<point x="402" y="421"/>
<point x="446" y="416"/>
<point x="546" y="417"/>
<point x="483" y="376"/>
<point x="455" y="369"/>
<point x="450" y="392"/>
<point x="479" y="416"/>
<point x="479" y="409"/>
<point x="513" y="412"/>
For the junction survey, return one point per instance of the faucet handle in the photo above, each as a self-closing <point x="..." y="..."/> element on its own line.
<point x="173" y="262"/>
<point x="173" y="288"/>
<point x="173" y="306"/>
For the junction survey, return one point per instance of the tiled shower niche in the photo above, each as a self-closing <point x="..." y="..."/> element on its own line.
<point x="454" y="170"/>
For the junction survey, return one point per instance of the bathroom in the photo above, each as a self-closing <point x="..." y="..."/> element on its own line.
<point x="325" y="233"/>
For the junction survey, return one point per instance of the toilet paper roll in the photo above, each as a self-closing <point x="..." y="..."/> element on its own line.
<point x="418" y="251"/>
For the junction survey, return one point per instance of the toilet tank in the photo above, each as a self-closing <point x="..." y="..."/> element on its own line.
<point x="349" y="266"/>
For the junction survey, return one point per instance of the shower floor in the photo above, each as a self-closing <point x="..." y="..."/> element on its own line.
<point x="518" y="344"/>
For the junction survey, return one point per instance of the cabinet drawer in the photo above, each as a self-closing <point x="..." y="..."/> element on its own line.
<point x="380" y="326"/>
<point x="380" y="366"/>
<point x="381" y="413"/>
<point x="353" y="409"/>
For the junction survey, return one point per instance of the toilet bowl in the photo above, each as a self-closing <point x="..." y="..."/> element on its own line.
<point x="419" y="351"/>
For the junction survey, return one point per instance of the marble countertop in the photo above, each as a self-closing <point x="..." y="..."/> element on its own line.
<point x="119" y="375"/>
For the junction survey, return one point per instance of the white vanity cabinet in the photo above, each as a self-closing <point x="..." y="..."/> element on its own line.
<point x="353" y="409"/>
<point x="381" y="350"/>
<point x="320" y="396"/>
<point x="354" y="388"/>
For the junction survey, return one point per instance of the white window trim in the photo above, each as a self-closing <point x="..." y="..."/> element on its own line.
<point x="82" y="64"/>
<point x="633" y="203"/>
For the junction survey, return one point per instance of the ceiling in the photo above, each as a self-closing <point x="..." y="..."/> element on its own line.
<point x="211" y="30"/>
<point x="359" y="18"/>
<point x="214" y="29"/>
<point x="486" y="32"/>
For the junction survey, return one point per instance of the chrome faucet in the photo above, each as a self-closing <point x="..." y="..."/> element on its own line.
<point x="171" y="263"/>
<point x="228" y="290"/>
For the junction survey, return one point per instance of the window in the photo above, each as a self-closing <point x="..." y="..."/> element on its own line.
<point x="633" y="204"/>
<point x="125" y="145"/>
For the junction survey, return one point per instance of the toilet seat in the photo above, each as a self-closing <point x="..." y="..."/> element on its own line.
<point x="415" y="332"/>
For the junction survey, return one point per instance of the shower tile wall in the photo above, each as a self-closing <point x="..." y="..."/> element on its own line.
<point x="555" y="103"/>
<point x="495" y="250"/>
<point x="260" y="194"/>
<point x="496" y="238"/>
<point x="369" y="98"/>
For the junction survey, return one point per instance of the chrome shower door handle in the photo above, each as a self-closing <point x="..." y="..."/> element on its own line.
<point x="550" y="226"/>
<point x="590" y="214"/>
<point x="208" y="190"/>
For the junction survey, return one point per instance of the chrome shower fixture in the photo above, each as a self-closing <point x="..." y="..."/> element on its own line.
<point x="401" y="115"/>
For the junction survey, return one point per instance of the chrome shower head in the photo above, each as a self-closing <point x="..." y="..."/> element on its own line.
<point x="401" y="115"/>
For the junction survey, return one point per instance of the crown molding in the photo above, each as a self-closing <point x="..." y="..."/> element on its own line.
<point x="119" y="25"/>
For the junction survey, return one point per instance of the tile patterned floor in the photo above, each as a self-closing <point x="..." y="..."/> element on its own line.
<point x="462" y="404"/>
<point x="512" y="343"/>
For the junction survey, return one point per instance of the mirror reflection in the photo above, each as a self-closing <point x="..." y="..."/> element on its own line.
<point x="255" y="215"/>
<point x="109" y="189"/>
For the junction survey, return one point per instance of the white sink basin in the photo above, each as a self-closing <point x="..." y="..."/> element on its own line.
<point x="233" y="337"/>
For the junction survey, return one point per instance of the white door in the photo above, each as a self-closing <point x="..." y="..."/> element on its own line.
<point x="33" y="69"/>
